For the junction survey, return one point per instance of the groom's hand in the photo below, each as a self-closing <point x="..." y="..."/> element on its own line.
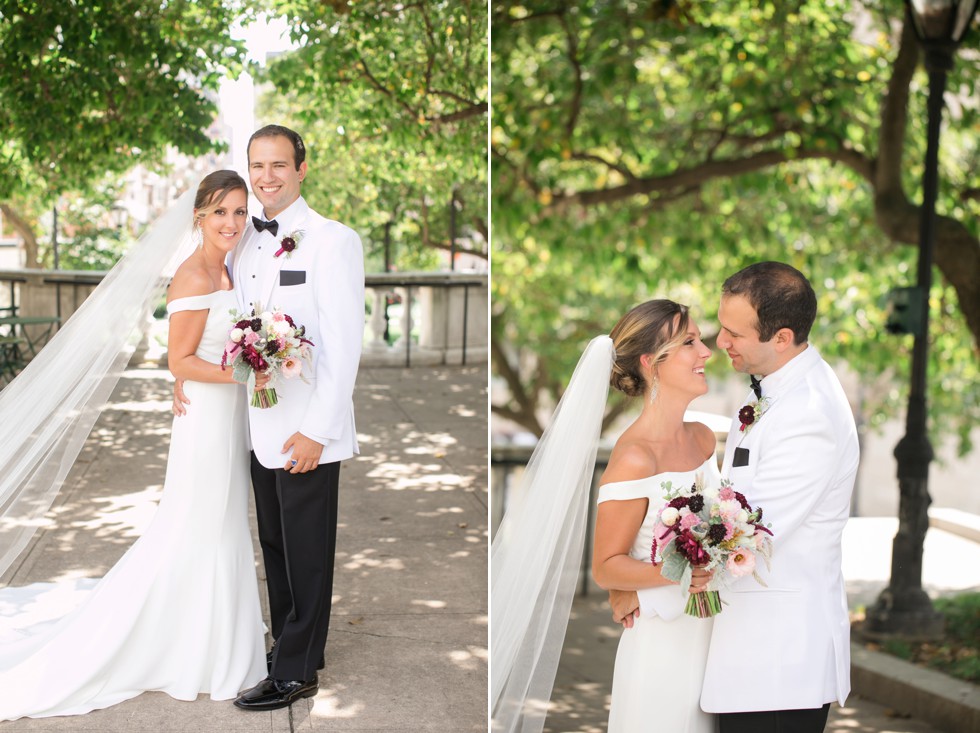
<point x="180" y="399"/>
<point x="306" y="453"/>
<point x="625" y="606"/>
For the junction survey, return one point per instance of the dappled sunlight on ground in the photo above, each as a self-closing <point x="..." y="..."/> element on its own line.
<point x="470" y="659"/>
<point x="366" y="559"/>
<point x="410" y="477"/>
<point x="329" y="704"/>
<point x="410" y="590"/>
<point x="429" y="604"/>
<point x="126" y="515"/>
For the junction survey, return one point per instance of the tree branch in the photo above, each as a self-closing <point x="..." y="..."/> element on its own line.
<point x="619" y="168"/>
<point x="526" y="402"/>
<point x="576" y="103"/>
<point x="889" y="190"/>
<point x="518" y="417"/>
<point x="462" y="114"/>
<point x="459" y="250"/>
<point x="32" y="258"/>
<point x="382" y="88"/>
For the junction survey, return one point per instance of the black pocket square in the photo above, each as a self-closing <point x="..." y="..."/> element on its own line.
<point x="292" y="277"/>
<point x="741" y="457"/>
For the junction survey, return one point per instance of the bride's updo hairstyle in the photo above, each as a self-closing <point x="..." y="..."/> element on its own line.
<point x="650" y="328"/>
<point x="213" y="190"/>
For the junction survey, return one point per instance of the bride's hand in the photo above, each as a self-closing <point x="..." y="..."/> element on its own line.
<point x="261" y="380"/>
<point x="700" y="579"/>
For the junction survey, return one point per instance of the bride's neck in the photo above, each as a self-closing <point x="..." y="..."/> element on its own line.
<point x="664" y="417"/>
<point x="212" y="259"/>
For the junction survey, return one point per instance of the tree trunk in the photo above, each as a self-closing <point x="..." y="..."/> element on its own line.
<point x="32" y="257"/>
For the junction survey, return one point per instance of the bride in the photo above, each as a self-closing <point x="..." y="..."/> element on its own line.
<point x="654" y="352"/>
<point x="179" y="613"/>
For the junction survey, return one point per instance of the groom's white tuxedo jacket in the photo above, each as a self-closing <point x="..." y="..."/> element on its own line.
<point x="786" y="646"/>
<point x="321" y="286"/>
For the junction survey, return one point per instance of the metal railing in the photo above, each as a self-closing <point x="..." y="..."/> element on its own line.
<point x="441" y="338"/>
<point x="442" y="317"/>
<point x="507" y="463"/>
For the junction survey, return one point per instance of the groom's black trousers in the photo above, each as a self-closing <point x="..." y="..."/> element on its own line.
<point x="775" y="721"/>
<point x="297" y="518"/>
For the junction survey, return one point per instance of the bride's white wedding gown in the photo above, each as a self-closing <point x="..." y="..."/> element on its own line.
<point x="660" y="661"/>
<point x="179" y="612"/>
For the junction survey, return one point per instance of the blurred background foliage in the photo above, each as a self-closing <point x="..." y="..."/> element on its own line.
<point x="651" y="149"/>
<point x="391" y="100"/>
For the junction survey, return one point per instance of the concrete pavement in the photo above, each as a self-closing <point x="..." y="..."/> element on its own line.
<point x="407" y="649"/>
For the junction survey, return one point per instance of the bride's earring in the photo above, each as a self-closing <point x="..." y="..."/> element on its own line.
<point x="197" y="236"/>
<point x="654" y="389"/>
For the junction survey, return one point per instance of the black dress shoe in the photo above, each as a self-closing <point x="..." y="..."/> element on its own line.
<point x="272" y="694"/>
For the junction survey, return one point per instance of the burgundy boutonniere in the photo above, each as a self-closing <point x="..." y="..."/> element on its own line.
<point x="751" y="413"/>
<point x="288" y="243"/>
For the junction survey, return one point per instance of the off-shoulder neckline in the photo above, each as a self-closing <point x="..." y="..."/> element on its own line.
<point x="658" y="475"/>
<point x="204" y="295"/>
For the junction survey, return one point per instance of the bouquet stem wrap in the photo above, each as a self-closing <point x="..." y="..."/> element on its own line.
<point x="265" y="398"/>
<point x="705" y="604"/>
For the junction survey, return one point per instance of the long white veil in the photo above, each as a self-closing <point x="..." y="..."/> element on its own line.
<point x="537" y="551"/>
<point x="48" y="410"/>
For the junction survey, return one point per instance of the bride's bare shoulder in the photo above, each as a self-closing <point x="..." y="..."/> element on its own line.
<point x="190" y="279"/>
<point x="629" y="460"/>
<point x="704" y="436"/>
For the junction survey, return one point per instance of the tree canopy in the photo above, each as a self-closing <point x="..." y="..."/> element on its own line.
<point x="90" y="89"/>
<point x="647" y="150"/>
<point x="391" y="99"/>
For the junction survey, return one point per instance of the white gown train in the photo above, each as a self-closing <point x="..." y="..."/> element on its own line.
<point x="179" y="612"/>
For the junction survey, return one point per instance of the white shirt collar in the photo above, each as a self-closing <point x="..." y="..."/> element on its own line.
<point x="790" y="372"/>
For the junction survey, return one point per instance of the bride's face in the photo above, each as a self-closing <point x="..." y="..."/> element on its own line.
<point x="683" y="369"/>
<point x="223" y="227"/>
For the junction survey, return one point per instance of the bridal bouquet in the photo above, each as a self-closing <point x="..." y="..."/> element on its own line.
<point x="265" y="341"/>
<point x="714" y="529"/>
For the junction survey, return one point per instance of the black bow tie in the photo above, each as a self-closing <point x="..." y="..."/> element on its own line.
<point x="261" y="226"/>
<point x="756" y="386"/>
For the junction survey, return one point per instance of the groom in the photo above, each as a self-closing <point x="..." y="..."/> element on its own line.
<point x="312" y="269"/>
<point x="780" y="654"/>
<point x="298" y="444"/>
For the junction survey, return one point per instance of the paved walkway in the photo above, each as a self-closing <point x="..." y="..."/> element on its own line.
<point x="407" y="650"/>
<point x="581" y="696"/>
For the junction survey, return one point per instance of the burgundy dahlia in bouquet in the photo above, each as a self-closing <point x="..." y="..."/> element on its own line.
<point x="714" y="529"/>
<point x="265" y="341"/>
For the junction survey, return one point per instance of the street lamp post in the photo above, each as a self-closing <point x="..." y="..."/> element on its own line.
<point x="452" y="231"/>
<point x="388" y="225"/>
<point x="904" y="608"/>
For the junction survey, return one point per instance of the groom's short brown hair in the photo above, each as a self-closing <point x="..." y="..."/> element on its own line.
<point x="299" y="149"/>
<point x="781" y="296"/>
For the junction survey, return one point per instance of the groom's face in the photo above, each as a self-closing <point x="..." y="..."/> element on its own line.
<point x="739" y="337"/>
<point x="273" y="174"/>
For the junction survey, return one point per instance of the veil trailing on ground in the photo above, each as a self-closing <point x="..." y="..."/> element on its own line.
<point x="49" y="409"/>
<point x="537" y="551"/>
